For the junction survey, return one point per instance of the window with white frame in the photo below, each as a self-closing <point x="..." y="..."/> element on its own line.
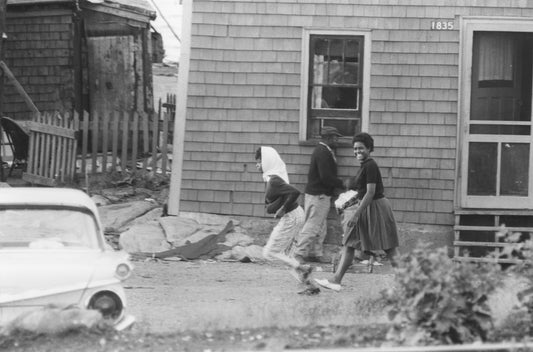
<point x="334" y="82"/>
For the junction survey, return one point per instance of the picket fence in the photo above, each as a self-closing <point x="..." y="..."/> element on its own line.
<point x="52" y="149"/>
<point x="130" y="141"/>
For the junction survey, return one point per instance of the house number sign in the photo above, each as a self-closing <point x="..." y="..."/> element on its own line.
<point x="442" y="25"/>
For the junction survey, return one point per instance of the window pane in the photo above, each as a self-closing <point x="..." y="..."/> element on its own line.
<point x="336" y="49"/>
<point x="351" y="62"/>
<point x="501" y="76"/>
<point x="57" y="228"/>
<point x="351" y="73"/>
<point x="482" y="166"/>
<point x="495" y="57"/>
<point x="321" y="47"/>
<point x="335" y="98"/>
<point x="335" y="72"/>
<point x="320" y="70"/>
<point x="515" y="169"/>
<point x="352" y="51"/>
<point x="345" y="127"/>
<point x="500" y="129"/>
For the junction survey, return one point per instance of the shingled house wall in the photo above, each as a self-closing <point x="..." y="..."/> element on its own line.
<point x="39" y="52"/>
<point x="244" y="91"/>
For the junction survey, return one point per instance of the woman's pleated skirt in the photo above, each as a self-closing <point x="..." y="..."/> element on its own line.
<point x="375" y="229"/>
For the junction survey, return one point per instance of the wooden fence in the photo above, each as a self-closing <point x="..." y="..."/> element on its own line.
<point x="52" y="149"/>
<point x="127" y="141"/>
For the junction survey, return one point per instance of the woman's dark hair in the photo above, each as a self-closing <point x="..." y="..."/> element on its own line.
<point x="258" y="153"/>
<point x="364" y="138"/>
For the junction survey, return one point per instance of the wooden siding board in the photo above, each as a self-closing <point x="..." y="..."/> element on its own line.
<point x="38" y="51"/>
<point x="414" y="82"/>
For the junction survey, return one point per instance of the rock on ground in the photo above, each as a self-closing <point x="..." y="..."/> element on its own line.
<point x="147" y="238"/>
<point x="253" y="252"/>
<point x="178" y="229"/>
<point x="114" y="217"/>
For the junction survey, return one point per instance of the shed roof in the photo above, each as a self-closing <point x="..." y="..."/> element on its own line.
<point x="141" y="6"/>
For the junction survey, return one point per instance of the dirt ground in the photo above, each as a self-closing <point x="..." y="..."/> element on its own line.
<point x="170" y="296"/>
<point x="186" y="305"/>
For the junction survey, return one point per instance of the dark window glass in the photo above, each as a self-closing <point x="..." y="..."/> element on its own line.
<point x="482" y="168"/>
<point x="514" y="169"/>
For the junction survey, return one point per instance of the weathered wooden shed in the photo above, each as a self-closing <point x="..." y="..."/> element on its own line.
<point x="78" y="55"/>
<point x="444" y="86"/>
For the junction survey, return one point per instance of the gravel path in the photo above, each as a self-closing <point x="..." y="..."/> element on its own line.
<point x="169" y="296"/>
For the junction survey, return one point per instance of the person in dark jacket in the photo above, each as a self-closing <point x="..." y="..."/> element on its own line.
<point x="322" y="181"/>
<point x="281" y="199"/>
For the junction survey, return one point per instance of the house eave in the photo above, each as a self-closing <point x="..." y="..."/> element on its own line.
<point x="122" y="10"/>
<point x="106" y="6"/>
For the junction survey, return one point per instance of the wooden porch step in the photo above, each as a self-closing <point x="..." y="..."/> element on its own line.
<point x="480" y="244"/>
<point x="491" y="228"/>
<point x="482" y="239"/>
<point x="487" y="260"/>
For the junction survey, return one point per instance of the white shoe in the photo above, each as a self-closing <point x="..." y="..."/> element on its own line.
<point x="325" y="283"/>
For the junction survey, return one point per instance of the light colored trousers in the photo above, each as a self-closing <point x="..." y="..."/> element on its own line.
<point x="311" y="239"/>
<point x="282" y="237"/>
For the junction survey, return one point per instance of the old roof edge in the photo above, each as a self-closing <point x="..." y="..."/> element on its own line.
<point x="27" y="2"/>
<point x="138" y="6"/>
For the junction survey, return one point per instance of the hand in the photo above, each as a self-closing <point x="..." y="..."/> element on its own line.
<point x="279" y="213"/>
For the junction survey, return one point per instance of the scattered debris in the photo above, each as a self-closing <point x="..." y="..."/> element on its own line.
<point x="207" y="247"/>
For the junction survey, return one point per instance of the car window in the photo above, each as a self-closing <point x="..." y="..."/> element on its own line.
<point x="47" y="228"/>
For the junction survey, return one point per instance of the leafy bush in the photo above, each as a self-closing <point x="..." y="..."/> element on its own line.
<point x="436" y="300"/>
<point x="519" y="247"/>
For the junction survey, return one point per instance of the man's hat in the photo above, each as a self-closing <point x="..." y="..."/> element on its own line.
<point x="329" y="131"/>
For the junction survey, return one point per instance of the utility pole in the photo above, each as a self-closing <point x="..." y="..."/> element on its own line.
<point x="3" y="36"/>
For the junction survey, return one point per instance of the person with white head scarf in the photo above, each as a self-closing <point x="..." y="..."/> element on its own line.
<point x="281" y="199"/>
<point x="272" y="165"/>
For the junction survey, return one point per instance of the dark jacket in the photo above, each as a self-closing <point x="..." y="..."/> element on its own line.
<point x="322" y="177"/>
<point x="280" y="194"/>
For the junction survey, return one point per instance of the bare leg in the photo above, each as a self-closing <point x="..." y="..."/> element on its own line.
<point x="272" y="255"/>
<point x="392" y="253"/>
<point x="371" y="259"/>
<point x="344" y="264"/>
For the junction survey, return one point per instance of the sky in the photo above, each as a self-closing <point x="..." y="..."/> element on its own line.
<point x="171" y="11"/>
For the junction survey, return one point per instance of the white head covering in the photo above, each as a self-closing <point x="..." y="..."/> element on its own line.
<point x="272" y="164"/>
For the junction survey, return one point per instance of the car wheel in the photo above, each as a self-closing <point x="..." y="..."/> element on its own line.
<point x="107" y="303"/>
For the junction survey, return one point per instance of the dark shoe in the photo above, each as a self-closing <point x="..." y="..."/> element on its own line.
<point x="299" y="259"/>
<point x="310" y="291"/>
<point x="316" y="259"/>
<point x="304" y="272"/>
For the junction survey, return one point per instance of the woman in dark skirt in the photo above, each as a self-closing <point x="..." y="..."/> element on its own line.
<point x="372" y="226"/>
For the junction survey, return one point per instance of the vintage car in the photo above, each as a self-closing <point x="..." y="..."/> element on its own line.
<point x="53" y="253"/>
